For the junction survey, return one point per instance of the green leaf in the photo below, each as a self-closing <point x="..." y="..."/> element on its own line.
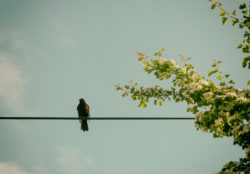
<point x="155" y="102"/>
<point x="143" y="105"/>
<point x="245" y="61"/>
<point x="248" y="82"/>
<point x="227" y="75"/>
<point x="133" y="97"/>
<point x="231" y="82"/>
<point x="189" y="109"/>
<point x="211" y="72"/>
<point x="234" y="13"/>
<point x="234" y="22"/>
<point x="213" y="6"/>
<point x="222" y="84"/>
<point x="223" y="12"/>
<point x="118" y="87"/>
<point x="224" y="20"/>
<point x="195" y="110"/>
<point x="245" y="50"/>
<point x="242" y="6"/>
<point x="140" y="59"/>
<point x="218" y="78"/>
<point x="125" y="94"/>
<point x="160" y="103"/>
<point x="240" y="46"/>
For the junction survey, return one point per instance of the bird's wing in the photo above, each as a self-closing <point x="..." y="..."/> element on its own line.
<point x="87" y="109"/>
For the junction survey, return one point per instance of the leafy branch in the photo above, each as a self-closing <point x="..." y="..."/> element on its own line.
<point x="220" y="109"/>
<point x="243" y="22"/>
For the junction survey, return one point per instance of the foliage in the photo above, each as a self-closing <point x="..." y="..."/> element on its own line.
<point x="220" y="108"/>
<point x="243" y="22"/>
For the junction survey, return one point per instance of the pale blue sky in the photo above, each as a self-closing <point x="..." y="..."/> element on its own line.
<point x="54" y="51"/>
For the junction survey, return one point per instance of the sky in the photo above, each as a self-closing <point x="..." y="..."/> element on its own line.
<point x="54" y="51"/>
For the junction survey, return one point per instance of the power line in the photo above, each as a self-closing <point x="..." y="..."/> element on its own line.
<point x="97" y="118"/>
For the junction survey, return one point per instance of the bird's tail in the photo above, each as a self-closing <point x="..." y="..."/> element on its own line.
<point x="84" y="126"/>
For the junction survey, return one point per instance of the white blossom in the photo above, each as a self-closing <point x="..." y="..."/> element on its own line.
<point x="204" y="82"/>
<point x="142" y="64"/>
<point x="245" y="129"/>
<point x="199" y="87"/>
<point x="208" y="95"/>
<point x="232" y="94"/>
<point x="199" y="116"/>
<point x="183" y="70"/>
<point x="172" y="61"/>
<point x="247" y="150"/>
<point x="175" y="66"/>
<point x="204" y="129"/>
<point x="194" y="87"/>
<point x="185" y="94"/>
<point x="219" y="121"/>
<point x="161" y="60"/>
<point x="182" y="57"/>
<point x="242" y="99"/>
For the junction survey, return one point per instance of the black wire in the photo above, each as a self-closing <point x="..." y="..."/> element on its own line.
<point x="97" y="118"/>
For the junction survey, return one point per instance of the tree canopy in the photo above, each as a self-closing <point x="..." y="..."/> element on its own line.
<point x="220" y="107"/>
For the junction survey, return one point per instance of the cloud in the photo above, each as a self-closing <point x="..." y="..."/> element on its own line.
<point x="74" y="161"/>
<point x="9" y="168"/>
<point x="11" y="84"/>
<point x="38" y="168"/>
<point x="20" y="44"/>
<point x="14" y="41"/>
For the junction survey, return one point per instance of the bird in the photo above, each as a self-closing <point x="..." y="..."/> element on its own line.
<point x="83" y="113"/>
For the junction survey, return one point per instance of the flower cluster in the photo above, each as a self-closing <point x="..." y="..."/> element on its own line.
<point x="220" y="109"/>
